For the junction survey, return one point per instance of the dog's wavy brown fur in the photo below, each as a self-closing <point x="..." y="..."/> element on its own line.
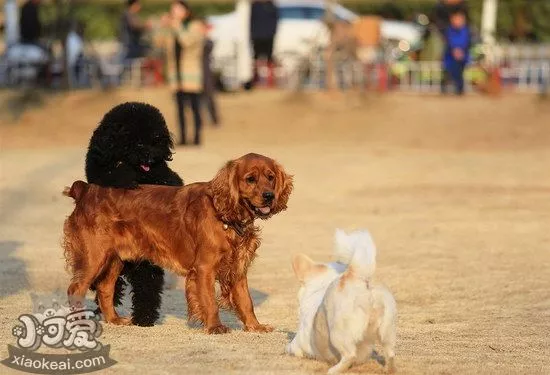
<point x="204" y="230"/>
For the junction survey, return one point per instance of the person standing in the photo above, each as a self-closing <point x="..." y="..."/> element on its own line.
<point x="208" y="77"/>
<point x="443" y="11"/>
<point x="74" y="47"/>
<point x="264" y="17"/>
<point x="29" y="23"/>
<point x="11" y="23"/>
<point x="457" y="55"/>
<point x="132" y="30"/>
<point x="184" y="46"/>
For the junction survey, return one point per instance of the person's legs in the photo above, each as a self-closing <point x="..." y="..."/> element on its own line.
<point x="270" y="62"/>
<point x="196" y="107"/>
<point x="457" y="73"/>
<point x="263" y="49"/>
<point x="460" y="86"/>
<point x="444" y="79"/>
<point x="180" y="104"/>
<point x="257" y="48"/>
<point x="208" y="97"/>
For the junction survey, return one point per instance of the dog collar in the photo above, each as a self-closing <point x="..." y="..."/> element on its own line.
<point x="237" y="227"/>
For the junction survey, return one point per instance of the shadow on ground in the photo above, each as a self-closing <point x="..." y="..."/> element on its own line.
<point x="17" y="103"/>
<point x="174" y="304"/>
<point x="13" y="278"/>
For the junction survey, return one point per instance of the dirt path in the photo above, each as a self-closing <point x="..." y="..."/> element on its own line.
<point x="455" y="192"/>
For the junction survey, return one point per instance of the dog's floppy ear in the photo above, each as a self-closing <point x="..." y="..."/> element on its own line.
<point x="283" y="188"/>
<point x="303" y="266"/>
<point x="225" y="192"/>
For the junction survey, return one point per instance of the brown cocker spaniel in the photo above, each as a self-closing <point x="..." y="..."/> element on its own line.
<point x="204" y="231"/>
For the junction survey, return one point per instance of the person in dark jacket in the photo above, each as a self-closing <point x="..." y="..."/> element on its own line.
<point x="29" y="22"/>
<point x="209" y="84"/>
<point x="264" y="18"/>
<point x="456" y="56"/>
<point x="132" y="30"/>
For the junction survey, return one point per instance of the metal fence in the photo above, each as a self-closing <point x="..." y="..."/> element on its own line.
<point x="511" y="54"/>
<point x="419" y="77"/>
<point x="520" y="68"/>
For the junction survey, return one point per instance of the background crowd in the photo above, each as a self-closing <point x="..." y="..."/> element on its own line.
<point x="179" y="41"/>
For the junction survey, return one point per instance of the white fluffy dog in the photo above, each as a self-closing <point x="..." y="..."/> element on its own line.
<point x="342" y="313"/>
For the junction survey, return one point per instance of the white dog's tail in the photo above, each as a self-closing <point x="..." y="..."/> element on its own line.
<point x="358" y="251"/>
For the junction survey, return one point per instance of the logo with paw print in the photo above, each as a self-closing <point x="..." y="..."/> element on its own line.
<point x="74" y="327"/>
<point x="58" y="324"/>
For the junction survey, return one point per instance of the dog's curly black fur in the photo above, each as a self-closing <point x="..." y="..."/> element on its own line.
<point x="131" y="146"/>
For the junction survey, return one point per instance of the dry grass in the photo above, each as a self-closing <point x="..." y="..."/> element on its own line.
<point x="455" y="191"/>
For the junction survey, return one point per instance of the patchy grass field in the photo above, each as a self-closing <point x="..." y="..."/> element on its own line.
<point x="455" y="191"/>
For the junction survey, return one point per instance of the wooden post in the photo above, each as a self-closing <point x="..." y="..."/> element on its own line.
<point x="489" y="21"/>
<point x="488" y="29"/>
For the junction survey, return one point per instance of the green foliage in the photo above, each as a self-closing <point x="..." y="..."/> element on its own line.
<point x="102" y="17"/>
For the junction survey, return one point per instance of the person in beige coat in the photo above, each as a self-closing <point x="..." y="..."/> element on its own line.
<point x="182" y="40"/>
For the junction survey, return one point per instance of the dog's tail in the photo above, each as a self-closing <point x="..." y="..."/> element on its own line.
<point x="358" y="251"/>
<point x="76" y="190"/>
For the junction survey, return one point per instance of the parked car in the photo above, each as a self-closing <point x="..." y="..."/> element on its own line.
<point x="300" y="30"/>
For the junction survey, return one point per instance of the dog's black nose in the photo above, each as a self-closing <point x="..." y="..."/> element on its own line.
<point x="268" y="196"/>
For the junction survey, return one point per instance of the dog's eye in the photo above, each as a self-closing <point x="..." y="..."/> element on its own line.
<point x="270" y="177"/>
<point x="250" y="179"/>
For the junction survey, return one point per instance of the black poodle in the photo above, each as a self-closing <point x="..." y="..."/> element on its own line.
<point x="131" y="146"/>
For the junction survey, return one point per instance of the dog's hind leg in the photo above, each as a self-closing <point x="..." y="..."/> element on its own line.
<point x="120" y="286"/>
<point x="87" y="270"/>
<point x="345" y="363"/>
<point x="105" y="292"/>
<point x="387" y="337"/>
<point x="194" y="312"/>
<point x="147" y="281"/>
<point x="348" y="353"/>
<point x="364" y="352"/>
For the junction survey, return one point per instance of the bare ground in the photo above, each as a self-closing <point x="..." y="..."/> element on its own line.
<point x="456" y="193"/>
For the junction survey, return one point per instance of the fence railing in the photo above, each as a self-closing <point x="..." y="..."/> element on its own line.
<point x="419" y="77"/>
<point x="522" y="70"/>
<point x="511" y="54"/>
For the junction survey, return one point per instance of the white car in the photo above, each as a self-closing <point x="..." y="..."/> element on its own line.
<point x="300" y="30"/>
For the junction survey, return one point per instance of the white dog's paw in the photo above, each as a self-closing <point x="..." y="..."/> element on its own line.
<point x="390" y="366"/>
<point x="291" y="350"/>
<point x="288" y="349"/>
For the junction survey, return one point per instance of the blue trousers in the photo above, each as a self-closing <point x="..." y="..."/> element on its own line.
<point x="454" y="70"/>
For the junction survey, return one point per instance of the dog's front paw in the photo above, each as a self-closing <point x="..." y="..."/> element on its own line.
<point x="260" y="328"/>
<point x="390" y="367"/>
<point x="291" y="350"/>
<point x="120" y="321"/>
<point x="217" y="330"/>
